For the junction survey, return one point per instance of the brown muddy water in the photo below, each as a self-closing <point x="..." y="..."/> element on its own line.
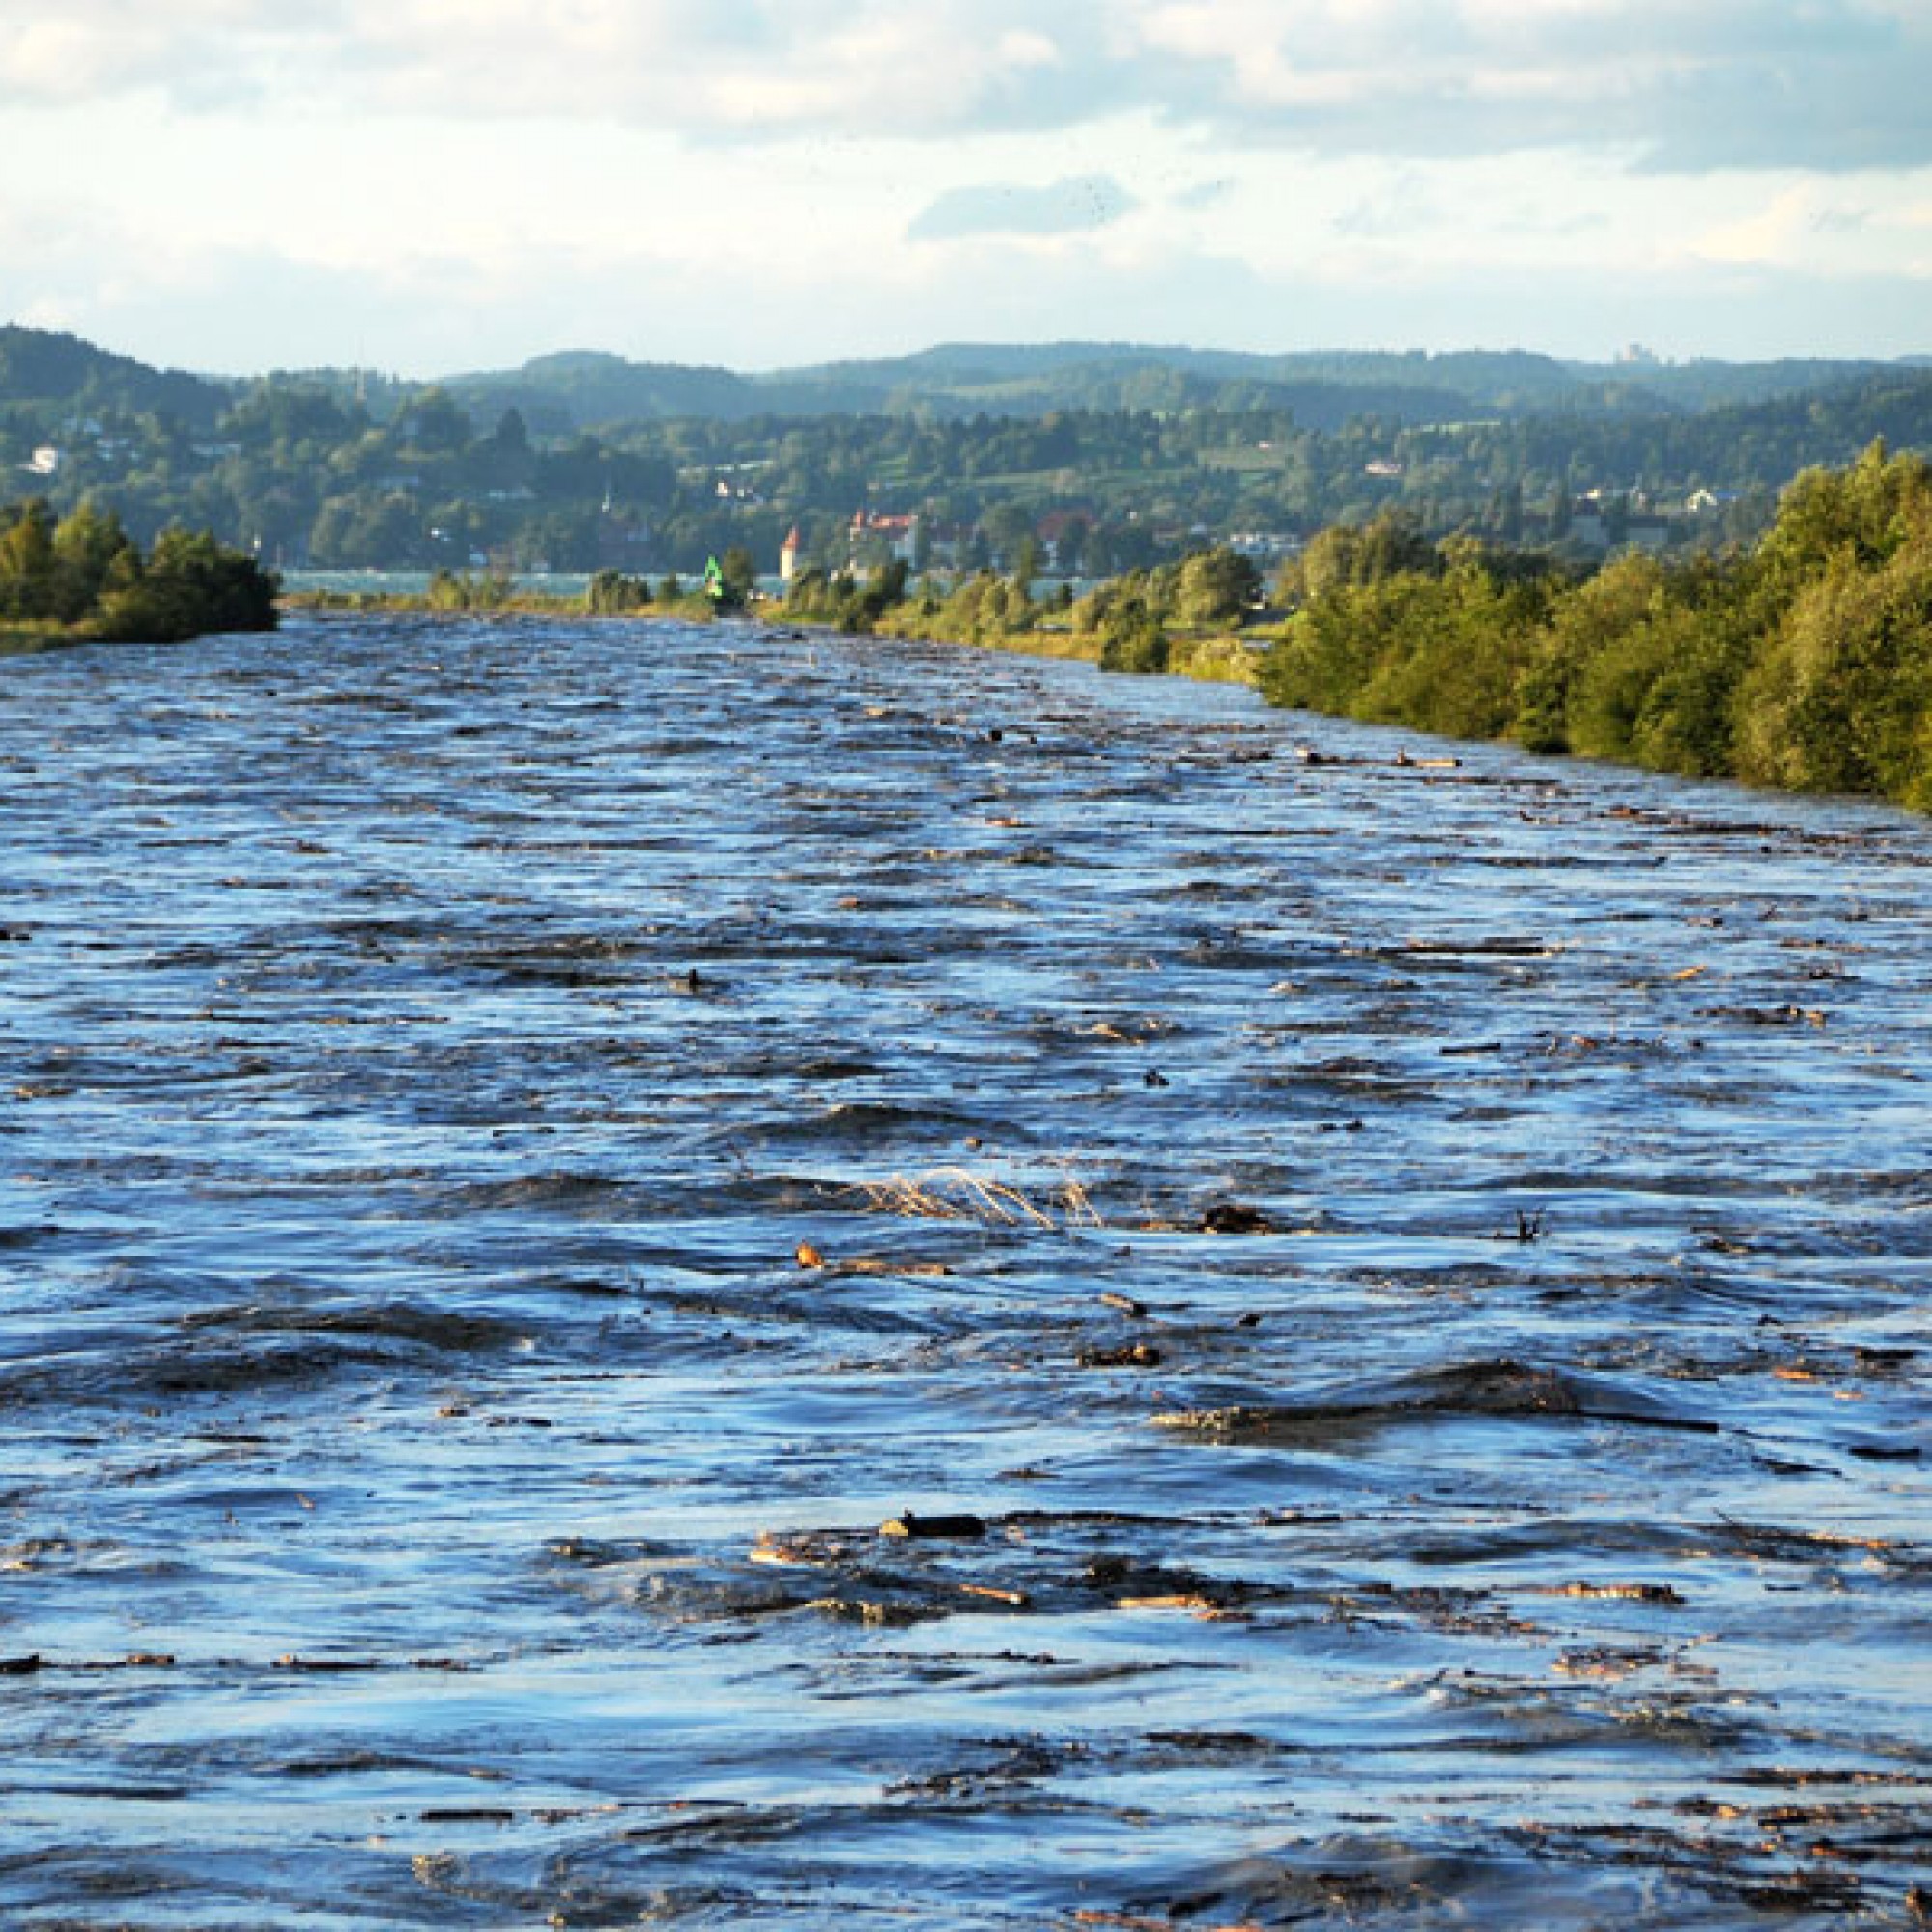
<point x="1391" y="1296"/>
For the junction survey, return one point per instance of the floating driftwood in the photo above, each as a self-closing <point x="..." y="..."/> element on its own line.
<point x="1129" y="1355"/>
<point x="906" y="1523"/>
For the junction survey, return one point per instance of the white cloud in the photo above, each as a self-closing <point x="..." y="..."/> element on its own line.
<point x="1828" y="83"/>
<point x="713" y="179"/>
<point x="1772" y="233"/>
<point x="1836" y="227"/>
<point x="1022" y="48"/>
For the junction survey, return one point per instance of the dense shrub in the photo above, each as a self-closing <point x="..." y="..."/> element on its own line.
<point x="612" y="594"/>
<point x="1132" y="638"/>
<point x="1806" y="664"/>
<point x="84" y="575"/>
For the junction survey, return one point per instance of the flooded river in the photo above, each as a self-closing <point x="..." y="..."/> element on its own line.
<point x="664" y="1275"/>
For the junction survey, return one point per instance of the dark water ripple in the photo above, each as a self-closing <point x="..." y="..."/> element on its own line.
<point x="1391" y="1295"/>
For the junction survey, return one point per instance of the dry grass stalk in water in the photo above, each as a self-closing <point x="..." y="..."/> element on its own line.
<point x="956" y="1194"/>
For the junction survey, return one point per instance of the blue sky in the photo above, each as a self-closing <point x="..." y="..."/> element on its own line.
<point x="434" y="185"/>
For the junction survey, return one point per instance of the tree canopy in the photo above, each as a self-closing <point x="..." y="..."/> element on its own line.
<point x="1804" y="662"/>
<point x="83" y="575"/>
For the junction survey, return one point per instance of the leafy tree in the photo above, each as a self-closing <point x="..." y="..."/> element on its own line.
<point x="382" y="528"/>
<point x="1843" y="700"/>
<point x="1865" y="512"/>
<point x="436" y="423"/>
<point x="1356" y="553"/>
<point x="1216" y="587"/>
<point x="511" y="434"/>
<point x="1455" y="647"/>
<point x="28" y="584"/>
<point x="93" y="557"/>
<point x="1132" y="638"/>
<point x="738" y="569"/>
<point x="610" y="593"/>
<point x="1007" y="527"/>
<point x="1806" y="664"/>
<point x="191" y="586"/>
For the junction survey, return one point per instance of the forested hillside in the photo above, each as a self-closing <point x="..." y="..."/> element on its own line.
<point x="1103" y="456"/>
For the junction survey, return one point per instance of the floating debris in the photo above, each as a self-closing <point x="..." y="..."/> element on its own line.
<point x="908" y="1525"/>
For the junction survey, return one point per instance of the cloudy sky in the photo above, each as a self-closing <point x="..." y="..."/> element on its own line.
<point x="434" y="185"/>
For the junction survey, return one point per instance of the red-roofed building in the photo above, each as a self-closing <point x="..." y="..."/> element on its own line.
<point x="873" y="528"/>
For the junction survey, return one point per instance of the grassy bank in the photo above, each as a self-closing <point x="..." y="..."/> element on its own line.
<point x="1192" y="619"/>
<point x="19" y="640"/>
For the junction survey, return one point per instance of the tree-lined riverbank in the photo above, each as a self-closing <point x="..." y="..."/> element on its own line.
<point x="81" y="578"/>
<point x="1802" y="664"/>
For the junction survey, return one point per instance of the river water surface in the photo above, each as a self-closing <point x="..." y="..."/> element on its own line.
<point x="1390" y="1294"/>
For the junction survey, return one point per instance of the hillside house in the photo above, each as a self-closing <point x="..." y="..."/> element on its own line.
<point x="878" y="533"/>
<point x="1597" y="526"/>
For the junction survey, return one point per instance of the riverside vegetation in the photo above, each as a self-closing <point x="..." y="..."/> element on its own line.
<point x="1187" y="618"/>
<point x="81" y="578"/>
<point x="1803" y="662"/>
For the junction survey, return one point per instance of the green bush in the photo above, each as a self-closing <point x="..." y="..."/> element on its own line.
<point x="612" y="594"/>
<point x="1132" y="640"/>
<point x="1806" y="664"/>
<point x="190" y="585"/>
<point x="1841" y="700"/>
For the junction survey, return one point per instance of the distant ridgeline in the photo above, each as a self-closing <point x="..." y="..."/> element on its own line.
<point x="1804" y="662"/>
<point x="82" y="577"/>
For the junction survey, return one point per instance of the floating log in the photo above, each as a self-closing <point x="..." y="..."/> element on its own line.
<point x="1017" y="1599"/>
<point x="906" y="1523"/>
<point x="1132" y="1356"/>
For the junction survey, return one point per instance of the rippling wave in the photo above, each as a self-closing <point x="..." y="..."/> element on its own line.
<point x="679" y="1275"/>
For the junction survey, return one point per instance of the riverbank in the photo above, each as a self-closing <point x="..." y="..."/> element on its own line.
<point x="1804" y="664"/>
<point x="19" y="641"/>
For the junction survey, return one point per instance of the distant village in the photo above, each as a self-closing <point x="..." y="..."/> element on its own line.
<point x="1599" y="519"/>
